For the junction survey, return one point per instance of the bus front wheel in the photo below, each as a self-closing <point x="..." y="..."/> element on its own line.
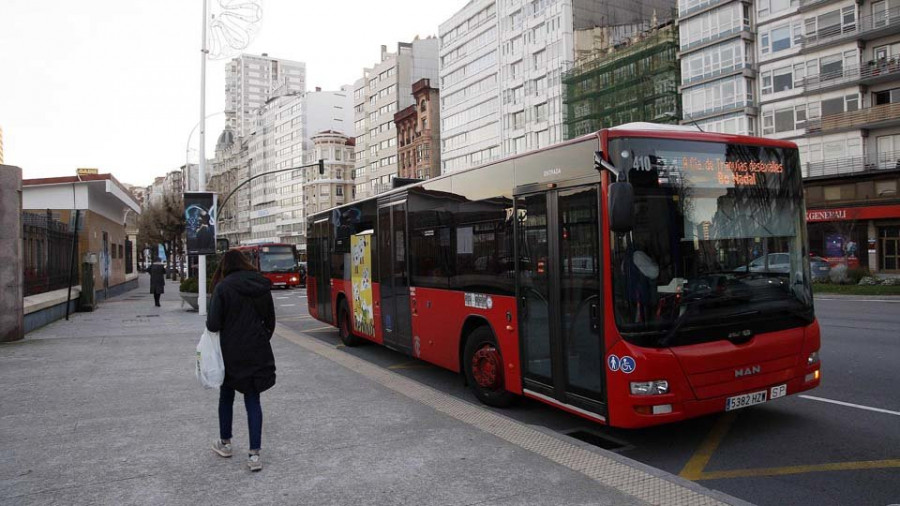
<point x="484" y="369"/>
<point x="344" y="326"/>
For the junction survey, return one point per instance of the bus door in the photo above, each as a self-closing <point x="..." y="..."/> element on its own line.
<point x="396" y="320"/>
<point x="323" y="269"/>
<point x="560" y="309"/>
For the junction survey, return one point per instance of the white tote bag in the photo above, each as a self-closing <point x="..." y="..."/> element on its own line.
<point x="210" y="366"/>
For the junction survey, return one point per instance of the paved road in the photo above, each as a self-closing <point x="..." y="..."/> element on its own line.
<point x="796" y="450"/>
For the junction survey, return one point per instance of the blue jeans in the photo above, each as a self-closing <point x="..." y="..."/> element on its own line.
<point x="254" y="415"/>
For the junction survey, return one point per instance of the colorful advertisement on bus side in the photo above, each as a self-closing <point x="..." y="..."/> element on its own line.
<point x="361" y="277"/>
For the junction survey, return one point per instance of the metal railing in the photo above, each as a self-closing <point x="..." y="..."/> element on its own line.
<point x="855" y="119"/>
<point x="889" y="18"/>
<point x="864" y="26"/>
<point x="882" y="161"/>
<point x="48" y="253"/>
<point x="868" y="71"/>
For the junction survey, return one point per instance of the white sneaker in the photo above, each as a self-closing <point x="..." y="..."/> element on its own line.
<point x="222" y="448"/>
<point x="254" y="463"/>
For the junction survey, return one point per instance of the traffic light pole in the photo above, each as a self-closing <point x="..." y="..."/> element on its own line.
<point x="320" y="164"/>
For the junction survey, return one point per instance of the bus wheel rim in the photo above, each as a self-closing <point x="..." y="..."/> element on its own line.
<point x="486" y="367"/>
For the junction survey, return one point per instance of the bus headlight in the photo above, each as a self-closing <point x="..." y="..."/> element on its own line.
<point x="657" y="387"/>
<point x="294" y="279"/>
<point x="813" y="358"/>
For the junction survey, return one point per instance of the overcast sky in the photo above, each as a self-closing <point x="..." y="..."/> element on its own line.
<point x="114" y="84"/>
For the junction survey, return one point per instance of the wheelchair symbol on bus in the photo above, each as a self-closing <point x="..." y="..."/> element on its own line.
<point x="627" y="365"/>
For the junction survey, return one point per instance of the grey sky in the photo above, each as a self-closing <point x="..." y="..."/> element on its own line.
<point x="114" y="84"/>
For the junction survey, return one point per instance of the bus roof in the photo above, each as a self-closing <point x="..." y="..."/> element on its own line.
<point x="635" y="129"/>
<point x="690" y="132"/>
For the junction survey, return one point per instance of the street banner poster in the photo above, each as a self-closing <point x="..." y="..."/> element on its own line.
<point x="361" y="278"/>
<point x="200" y="222"/>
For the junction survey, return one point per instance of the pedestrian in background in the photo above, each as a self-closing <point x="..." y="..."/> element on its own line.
<point x="242" y="312"/>
<point x="157" y="279"/>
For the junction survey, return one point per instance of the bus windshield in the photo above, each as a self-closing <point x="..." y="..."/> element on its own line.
<point x="718" y="241"/>
<point x="277" y="259"/>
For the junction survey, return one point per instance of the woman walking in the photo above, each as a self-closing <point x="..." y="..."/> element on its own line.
<point x="241" y="310"/>
<point x="157" y="279"/>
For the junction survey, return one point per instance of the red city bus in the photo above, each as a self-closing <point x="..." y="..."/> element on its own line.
<point x="609" y="276"/>
<point x="277" y="262"/>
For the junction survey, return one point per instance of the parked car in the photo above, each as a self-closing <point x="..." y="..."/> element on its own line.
<point x="773" y="262"/>
<point x="819" y="268"/>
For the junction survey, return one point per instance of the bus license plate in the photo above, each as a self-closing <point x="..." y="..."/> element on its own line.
<point x="742" y="401"/>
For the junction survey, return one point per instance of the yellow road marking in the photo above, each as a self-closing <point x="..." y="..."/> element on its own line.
<point x="693" y="470"/>
<point x="413" y="364"/>
<point x="813" y="468"/>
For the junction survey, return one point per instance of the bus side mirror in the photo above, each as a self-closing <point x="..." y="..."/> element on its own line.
<point x="621" y="207"/>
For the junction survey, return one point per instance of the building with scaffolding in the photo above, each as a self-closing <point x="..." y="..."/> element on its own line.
<point x="632" y="81"/>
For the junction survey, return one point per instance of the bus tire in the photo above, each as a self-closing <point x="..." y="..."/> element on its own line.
<point x="483" y="366"/>
<point x="345" y="326"/>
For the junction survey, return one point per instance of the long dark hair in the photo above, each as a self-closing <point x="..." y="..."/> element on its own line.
<point x="232" y="261"/>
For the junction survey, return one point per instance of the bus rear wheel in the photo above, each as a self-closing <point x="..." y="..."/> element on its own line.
<point x="344" y="326"/>
<point x="484" y="370"/>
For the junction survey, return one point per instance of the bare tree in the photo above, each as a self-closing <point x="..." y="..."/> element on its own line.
<point x="163" y="223"/>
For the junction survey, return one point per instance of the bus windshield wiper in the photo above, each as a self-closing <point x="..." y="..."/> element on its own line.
<point x="683" y="318"/>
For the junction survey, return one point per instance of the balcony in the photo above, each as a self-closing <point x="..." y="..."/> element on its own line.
<point x="870" y="73"/>
<point x="830" y="35"/>
<point x="881" y="24"/>
<point x="879" y="116"/>
<point x="850" y="165"/>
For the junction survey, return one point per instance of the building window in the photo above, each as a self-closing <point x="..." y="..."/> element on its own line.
<point x="886" y="97"/>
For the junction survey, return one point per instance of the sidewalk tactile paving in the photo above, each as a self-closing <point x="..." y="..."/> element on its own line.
<point x="605" y="470"/>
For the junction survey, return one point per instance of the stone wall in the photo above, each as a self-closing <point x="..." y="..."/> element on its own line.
<point x="11" y="288"/>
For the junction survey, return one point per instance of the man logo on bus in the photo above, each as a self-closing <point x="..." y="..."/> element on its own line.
<point x="613" y="362"/>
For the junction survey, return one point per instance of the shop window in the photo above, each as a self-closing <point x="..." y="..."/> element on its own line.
<point x="832" y="193"/>
<point x="890" y="248"/>
<point x="886" y="188"/>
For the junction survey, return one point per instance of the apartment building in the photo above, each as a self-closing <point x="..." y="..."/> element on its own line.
<point x="384" y="89"/>
<point x="718" y="79"/>
<point x="334" y="187"/>
<point x="633" y="81"/>
<point x="502" y="63"/>
<point x="829" y="80"/>
<point x="251" y="80"/>
<point x="419" y="134"/>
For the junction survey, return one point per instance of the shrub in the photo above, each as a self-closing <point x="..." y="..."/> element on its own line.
<point x="838" y="274"/>
<point x="856" y="274"/>
<point x="189" y="285"/>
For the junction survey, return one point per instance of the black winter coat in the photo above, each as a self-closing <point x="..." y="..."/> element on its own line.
<point x="242" y="312"/>
<point x="157" y="278"/>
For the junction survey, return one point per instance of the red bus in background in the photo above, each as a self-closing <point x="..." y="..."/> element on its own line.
<point x="621" y="276"/>
<point x="277" y="262"/>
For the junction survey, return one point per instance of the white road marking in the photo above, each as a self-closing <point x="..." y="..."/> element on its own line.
<point x="851" y="405"/>
<point x="858" y="300"/>
<point x="301" y="296"/>
<point x="286" y="305"/>
<point x="282" y="297"/>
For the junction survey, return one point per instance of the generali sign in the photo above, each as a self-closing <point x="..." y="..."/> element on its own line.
<point x="827" y="215"/>
<point x="853" y="213"/>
